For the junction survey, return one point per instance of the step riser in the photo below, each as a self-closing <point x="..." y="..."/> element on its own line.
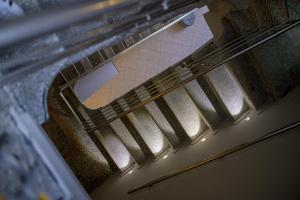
<point x="135" y="134"/>
<point x="218" y="106"/>
<point x="172" y="119"/>
<point x="104" y="151"/>
<point x="150" y="132"/>
<point x="128" y="141"/>
<point x="184" y="112"/>
<point x="115" y="148"/>
<point x="203" y="103"/>
<point x="205" y="106"/>
<point x="228" y="91"/>
<point x="163" y="124"/>
<point x="108" y="142"/>
<point x="158" y="117"/>
<point x="146" y="127"/>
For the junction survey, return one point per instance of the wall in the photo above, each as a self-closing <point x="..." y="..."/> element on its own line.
<point x="268" y="170"/>
<point x="73" y="143"/>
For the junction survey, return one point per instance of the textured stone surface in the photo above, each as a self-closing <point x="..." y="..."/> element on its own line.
<point x="186" y="112"/>
<point x="282" y="65"/>
<point x="29" y="6"/>
<point x="159" y="118"/>
<point x="203" y="103"/>
<point x="149" y="131"/>
<point x="244" y="68"/>
<point x="127" y="139"/>
<point x="9" y="10"/>
<point x="23" y="172"/>
<point x="31" y="92"/>
<point x="262" y="11"/>
<point x="228" y="90"/>
<point x="74" y="144"/>
<point x="278" y="60"/>
<point x="200" y="99"/>
<point x="115" y="148"/>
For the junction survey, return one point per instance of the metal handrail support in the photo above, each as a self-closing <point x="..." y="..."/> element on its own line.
<point x="216" y="157"/>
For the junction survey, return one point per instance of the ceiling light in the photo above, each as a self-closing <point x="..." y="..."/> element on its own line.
<point x="130" y="172"/>
<point x="203" y="139"/>
<point x="248" y="118"/>
<point x="165" y="156"/>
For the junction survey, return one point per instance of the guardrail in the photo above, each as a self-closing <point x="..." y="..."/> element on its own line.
<point x="189" y="70"/>
<point x="183" y="72"/>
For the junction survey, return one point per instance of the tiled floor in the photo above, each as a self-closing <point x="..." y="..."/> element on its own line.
<point x="151" y="57"/>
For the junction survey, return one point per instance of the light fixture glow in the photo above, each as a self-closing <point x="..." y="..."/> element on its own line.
<point x="203" y="139"/>
<point x="165" y="156"/>
<point x="248" y="118"/>
<point x="130" y="172"/>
